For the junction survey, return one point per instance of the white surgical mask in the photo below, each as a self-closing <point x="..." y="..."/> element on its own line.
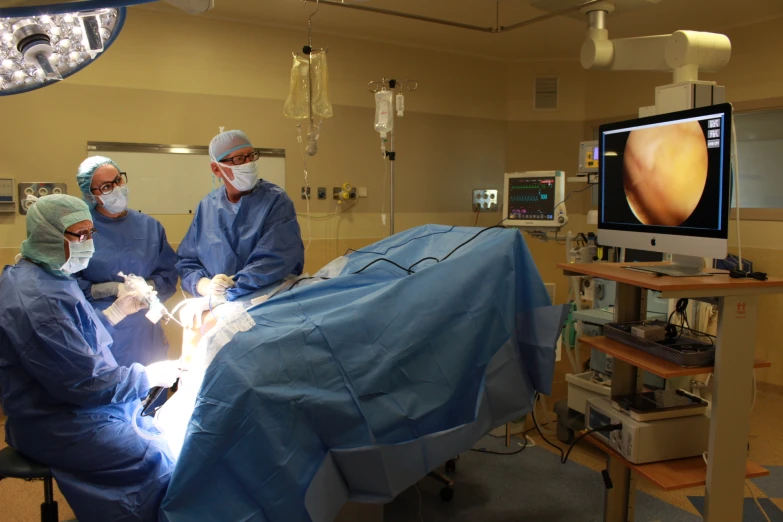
<point x="117" y="200"/>
<point x="80" y="256"/>
<point x="245" y="176"/>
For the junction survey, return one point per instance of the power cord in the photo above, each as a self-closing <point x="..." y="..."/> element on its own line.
<point x="564" y="455"/>
<point x="506" y="453"/>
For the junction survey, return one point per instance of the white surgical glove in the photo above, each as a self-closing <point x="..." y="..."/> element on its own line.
<point x="150" y="283"/>
<point x="215" y="286"/>
<point x="190" y="315"/>
<point x="127" y="303"/>
<point x="163" y="374"/>
<point x="101" y="290"/>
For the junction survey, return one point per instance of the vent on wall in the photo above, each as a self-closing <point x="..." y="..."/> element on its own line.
<point x="546" y="93"/>
<point x="550" y="289"/>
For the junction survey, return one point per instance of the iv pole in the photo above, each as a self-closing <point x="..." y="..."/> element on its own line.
<point x="373" y="87"/>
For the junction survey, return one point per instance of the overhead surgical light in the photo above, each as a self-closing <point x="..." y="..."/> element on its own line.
<point x="43" y="44"/>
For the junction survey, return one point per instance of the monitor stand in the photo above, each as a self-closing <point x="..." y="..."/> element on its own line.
<point x="682" y="266"/>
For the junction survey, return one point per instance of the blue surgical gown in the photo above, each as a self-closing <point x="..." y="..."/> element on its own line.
<point x="133" y="244"/>
<point x="257" y="239"/>
<point x="69" y="404"/>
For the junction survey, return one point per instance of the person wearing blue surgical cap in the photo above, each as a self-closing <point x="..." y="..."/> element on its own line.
<point x="70" y="406"/>
<point x="244" y="235"/>
<point x="129" y="242"/>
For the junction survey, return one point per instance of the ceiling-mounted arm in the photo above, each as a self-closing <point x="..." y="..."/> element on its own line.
<point x="684" y="53"/>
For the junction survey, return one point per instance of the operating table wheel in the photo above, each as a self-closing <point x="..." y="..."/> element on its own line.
<point x="446" y="494"/>
<point x="451" y="466"/>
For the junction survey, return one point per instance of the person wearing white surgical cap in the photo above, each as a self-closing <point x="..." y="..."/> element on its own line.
<point x="244" y="236"/>
<point x="70" y="406"/>
<point x="129" y="242"/>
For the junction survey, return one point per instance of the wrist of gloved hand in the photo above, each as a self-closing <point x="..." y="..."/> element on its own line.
<point x="163" y="374"/>
<point x="202" y="287"/>
<point x="102" y="290"/>
<point x="114" y="314"/>
<point x="151" y="283"/>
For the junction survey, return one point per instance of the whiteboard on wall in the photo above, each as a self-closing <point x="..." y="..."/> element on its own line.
<point x="173" y="179"/>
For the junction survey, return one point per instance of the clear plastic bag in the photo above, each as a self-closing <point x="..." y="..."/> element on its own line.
<point x="297" y="105"/>
<point x="321" y="105"/>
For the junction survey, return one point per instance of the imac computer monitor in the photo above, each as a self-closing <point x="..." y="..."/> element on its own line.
<point x="665" y="182"/>
<point x="535" y="200"/>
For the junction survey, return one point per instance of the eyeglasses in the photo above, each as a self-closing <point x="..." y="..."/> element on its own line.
<point x="84" y="235"/>
<point x="242" y="159"/>
<point x="108" y="187"/>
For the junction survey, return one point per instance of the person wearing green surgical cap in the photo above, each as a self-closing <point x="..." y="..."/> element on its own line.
<point x="69" y="405"/>
<point x="130" y="242"/>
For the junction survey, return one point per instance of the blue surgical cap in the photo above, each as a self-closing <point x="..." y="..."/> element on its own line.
<point x="86" y="172"/>
<point x="47" y="220"/>
<point x="227" y="142"/>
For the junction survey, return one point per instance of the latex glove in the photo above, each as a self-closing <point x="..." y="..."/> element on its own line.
<point x="190" y="315"/>
<point x="150" y="283"/>
<point x="127" y="303"/>
<point x="101" y="290"/>
<point x="163" y="374"/>
<point x="215" y="286"/>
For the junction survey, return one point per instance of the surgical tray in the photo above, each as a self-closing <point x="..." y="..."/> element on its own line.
<point x="683" y="351"/>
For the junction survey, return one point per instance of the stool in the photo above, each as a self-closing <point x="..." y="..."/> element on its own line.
<point x="15" y="465"/>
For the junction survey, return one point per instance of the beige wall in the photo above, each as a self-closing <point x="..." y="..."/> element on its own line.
<point x="470" y="121"/>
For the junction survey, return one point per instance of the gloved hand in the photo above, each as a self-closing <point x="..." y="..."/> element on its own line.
<point x="127" y="303"/>
<point x="190" y="315"/>
<point x="101" y="290"/>
<point x="150" y="282"/>
<point x="163" y="374"/>
<point x="215" y="286"/>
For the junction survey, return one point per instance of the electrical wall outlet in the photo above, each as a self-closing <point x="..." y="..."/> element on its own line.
<point x="485" y="200"/>
<point x="39" y="190"/>
<point x="305" y="192"/>
<point x="338" y="193"/>
<point x="321" y="192"/>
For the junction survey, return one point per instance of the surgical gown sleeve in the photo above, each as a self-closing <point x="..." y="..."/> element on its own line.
<point x="278" y="253"/>
<point x="84" y="284"/>
<point x="165" y="273"/>
<point x="188" y="265"/>
<point x="63" y="356"/>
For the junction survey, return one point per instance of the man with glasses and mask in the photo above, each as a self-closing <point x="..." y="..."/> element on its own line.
<point x="70" y="406"/>
<point x="129" y="242"/>
<point x="244" y="236"/>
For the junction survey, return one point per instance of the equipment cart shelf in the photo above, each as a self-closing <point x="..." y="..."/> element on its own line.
<point x="727" y="466"/>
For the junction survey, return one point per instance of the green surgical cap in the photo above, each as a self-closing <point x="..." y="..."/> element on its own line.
<point x="87" y="171"/>
<point x="47" y="220"/>
<point x="227" y="142"/>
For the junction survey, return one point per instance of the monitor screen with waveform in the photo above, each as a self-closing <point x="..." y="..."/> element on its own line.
<point x="531" y="198"/>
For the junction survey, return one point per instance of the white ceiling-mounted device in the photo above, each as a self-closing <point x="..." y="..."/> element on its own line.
<point x="683" y="53"/>
<point x="42" y="42"/>
<point x="624" y="6"/>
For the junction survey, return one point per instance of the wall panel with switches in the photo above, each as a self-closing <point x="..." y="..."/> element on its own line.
<point x="6" y="195"/>
<point x="485" y="200"/>
<point x="38" y="189"/>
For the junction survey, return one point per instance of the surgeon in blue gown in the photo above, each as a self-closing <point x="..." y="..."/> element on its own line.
<point x="69" y="404"/>
<point x="129" y="242"/>
<point x="244" y="235"/>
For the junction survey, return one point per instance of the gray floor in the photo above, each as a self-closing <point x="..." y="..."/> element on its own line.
<point x="531" y="486"/>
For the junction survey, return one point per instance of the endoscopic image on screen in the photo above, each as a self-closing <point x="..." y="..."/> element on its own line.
<point x="663" y="176"/>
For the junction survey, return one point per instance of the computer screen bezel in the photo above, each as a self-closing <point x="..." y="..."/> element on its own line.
<point x="671" y="241"/>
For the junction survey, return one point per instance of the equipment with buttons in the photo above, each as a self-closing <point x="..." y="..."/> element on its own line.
<point x="6" y="195"/>
<point x="651" y="441"/>
<point x="535" y="200"/>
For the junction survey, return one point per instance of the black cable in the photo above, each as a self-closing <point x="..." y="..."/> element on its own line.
<point x="378" y="261"/>
<point x="471" y="239"/>
<point x="564" y="455"/>
<point x="503" y="453"/>
<point x="422" y="260"/>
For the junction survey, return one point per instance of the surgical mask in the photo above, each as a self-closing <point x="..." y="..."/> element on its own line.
<point x="245" y="176"/>
<point x="116" y="201"/>
<point x="80" y="256"/>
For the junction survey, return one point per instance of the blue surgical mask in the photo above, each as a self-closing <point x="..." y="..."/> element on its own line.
<point x="117" y="200"/>
<point x="81" y="253"/>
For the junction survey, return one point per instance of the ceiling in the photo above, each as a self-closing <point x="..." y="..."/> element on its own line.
<point x="558" y="38"/>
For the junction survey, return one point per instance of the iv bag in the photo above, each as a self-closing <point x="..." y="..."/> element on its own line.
<point x="297" y="105"/>
<point x="320" y="77"/>
<point x="384" y="115"/>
